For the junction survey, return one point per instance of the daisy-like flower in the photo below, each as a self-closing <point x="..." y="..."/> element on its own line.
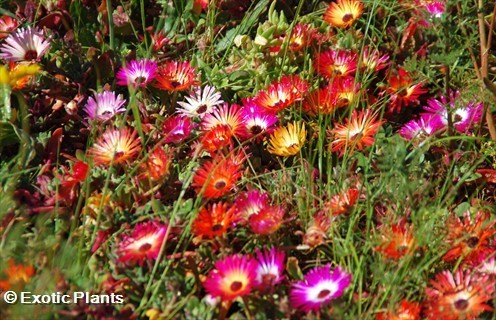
<point x="372" y="61"/>
<point x="217" y="138"/>
<point x="397" y="241"/>
<point x="7" y="25"/>
<point x="115" y="146"/>
<point x="143" y="244"/>
<point x="422" y="128"/>
<point x="341" y="203"/>
<point x="407" y="310"/>
<point x="336" y="63"/>
<point x="177" y="128"/>
<point x="488" y="267"/>
<point x="200" y="102"/>
<point x="251" y="202"/>
<point x="464" y="118"/>
<point x="215" y="220"/>
<point x="267" y="220"/>
<point x="402" y="90"/>
<point x="104" y="106"/>
<point x="176" y="76"/>
<point x="345" y="91"/>
<point x="257" y="120"/>
<point x="287" y="141"/>
<point x="434" y="7"/>
<point x="470" y="239"/>
<point x="316" y="233"/>
<point x="230" y="117"/>
<point x="319" y="287"/>
<point x="321" y="101"/>
<point x="343" y="13"/>
<point x="301" y="36"/>
<point x="461" y="296"/>
<point x="216" y="178"/>
<point x="281" y="94"/>
<point x="17" y="275"/>
<point x="156" y="166"/>
<point x="138" y="73"/>
<point x="25" y="44"/>
<point x="357" y="133"/>
<point x="233" y="277"/>
<point x="270" y="266"/>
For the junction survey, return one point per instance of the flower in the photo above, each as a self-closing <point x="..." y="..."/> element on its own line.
<point x="104" y="106"/>
<point x="372" y="61"/>
<point x="336" y="63"/>
<point x="341" y="203"/>
<point x="17" y="276"/>
<point x="156" y="166"/>
<point x="230" y="117"/>
<point x="488" y="267"/>
<point x="357" y="133"/>
<point x="397" y="241"/>
<point x="144" y="243"/>
<point x="270" y="266"/>
<point x="470" y="239"/>
<point x="287" y="141"/>
<point x="461" y="296"/>
<point x="321" y="101"/>
<point x="25" y="44"/>
<point x="257" y="120"/>
<point x="402" y="91"/>
<point x="115" y="146"/>
<point x="422" y="128"/>
<point x="251" y="202"/>
<point x="343" y="13"/>
<point x="267" y="220"/>
<point x="216" y="178"/>
<point x="215" y="220"/>
<point x="177" y="128"/>
<point x="217" y="138"/>
<point x="138" y="73"/>
<point x="407" y="310"/>
<point x="199" y="102"/>
<point x="281" y="94"/>
<point x="7" y="25"/>
<point x="232" y="277"/>
<point x="319" y="287"/>
<point x="316" y="233"/>
<point x="18" y="75"/>
<point x="176" y="76"/>
<point x="301" y="36"/>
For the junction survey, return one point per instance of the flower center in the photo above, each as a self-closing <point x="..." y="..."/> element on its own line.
<point x="217" y="227"/>
<point x="461" y="304"/>
<point x="175" y="84"/>
<point x="202" y="109"/>
<point x="145" y="247"/>
<point x="220" y="185"/>
<point x="347" y="17"/>
<point x="30" y="55"/>
<point x="324" y="293"/>
<point x="256" y="129"/>
<point x="140" y="80"/>
<point x="236" y="286"/>
<point x="472" y="242"/>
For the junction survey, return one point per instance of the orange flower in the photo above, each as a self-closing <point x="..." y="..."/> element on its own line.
<point x="397" y="241"/>
<point x="280" y="95"/>
<point x="176" y="76"/>
<point x="157" y="165"/>
<point x="343" y="13"/>
<point x="406" y="311"/>
<point x="17" y="276"/>
<point x="115" y="146"/>
<point x="214" y="220"/>
<point x="216" y="178"/>
<point x="470" y="240"/>
<point x="343" y="202"/>
<point x="217" y="138"/>
<point x="402" y="91"/>
<point x="356" y="134"/>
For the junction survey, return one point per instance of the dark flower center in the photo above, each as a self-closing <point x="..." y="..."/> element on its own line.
<point x="217" y="227"/>
<point x="256" y="129"/>
<point x="220" y="185"/>
<point x="30" y="55"/>
<point x="175" y="84"/>
<point x="140" y="80"/>
<point x="347" y="17"/>
<point x="145" y="247"/>
<point x="461" y="304"/>
<point x="472" y="242"/>
<point x="236" y="286"/>
<point x="202" y="109"/>
<point x="324" y="293"/>
<point x="268" y="278"/>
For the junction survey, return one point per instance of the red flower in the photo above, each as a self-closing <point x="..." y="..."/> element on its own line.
<point x="176" y="76"/>
<point x="215" y="220"/>
<point x="402" y="91"/>
<point x="407" y="310"/>
<point x="216" y="178"/>
<point x="397" y="241"/>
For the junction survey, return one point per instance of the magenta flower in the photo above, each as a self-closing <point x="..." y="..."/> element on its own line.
<point x="426" y="126"/>
<point x="233" y="277"/>
<point x="177" y="129"/>
<point x="257" y="120"/>
<point x="270" y="268"/>
<point x="25" y="44"/>
<point x="435" y="8"/>
<point x="320" y="286"/>
<point x="143" y="244"/>
<point x="137" y="73"/>
<point x="251" y="202"/>
<point x="104" y="106"/>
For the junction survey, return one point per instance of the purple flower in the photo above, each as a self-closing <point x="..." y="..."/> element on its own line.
<point x="25" y="44"/>
<point x="137" y="73"/>
<point x="320" y="286"/>
<point x="270" y="268"/>
<point x="177" y="128"/>
<point x="104" y="106"/>
<point x="426" y="126"/>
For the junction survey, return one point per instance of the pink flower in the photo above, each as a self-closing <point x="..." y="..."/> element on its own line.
<point x="137" y="73"/>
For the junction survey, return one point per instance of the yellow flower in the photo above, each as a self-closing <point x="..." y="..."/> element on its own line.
<point x="17" y="76"/>
<point x="343" y="13"/>
<point x="287" y="141"/>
